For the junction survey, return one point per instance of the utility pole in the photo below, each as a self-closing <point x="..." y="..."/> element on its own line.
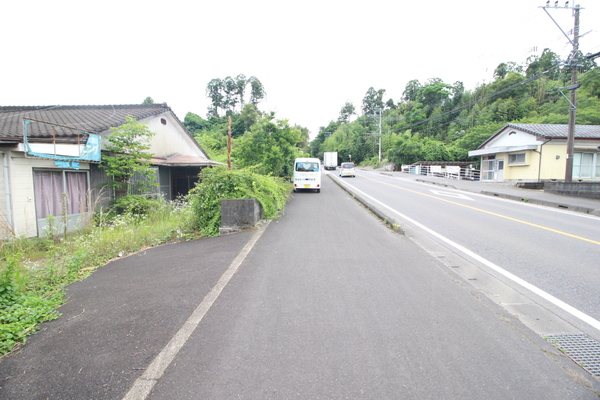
<point x="380" y="112"/>
<point x="229" y="142"/>
<point x="572" y="62"/>
<point x="573" y="109"/>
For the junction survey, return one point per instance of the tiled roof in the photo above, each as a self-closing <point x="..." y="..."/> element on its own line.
<point x="552" y="131"/>
<point x="94" y="119"/>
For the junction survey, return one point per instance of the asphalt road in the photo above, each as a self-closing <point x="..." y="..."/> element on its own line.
<point x="555" y="250"/>
<point x="328" y="304"/>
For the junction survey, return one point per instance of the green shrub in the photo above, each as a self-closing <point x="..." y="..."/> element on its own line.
<point x="21" y="310"/>
<point x="220" y="183"/>
<point x="135" y="205"/>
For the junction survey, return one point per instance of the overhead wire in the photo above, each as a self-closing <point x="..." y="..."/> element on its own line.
<point x="484" y="98"/>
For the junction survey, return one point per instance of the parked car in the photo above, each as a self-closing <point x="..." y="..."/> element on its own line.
<point x="347" y="169"/>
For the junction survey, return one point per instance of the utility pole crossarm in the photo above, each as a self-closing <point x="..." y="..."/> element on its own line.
<point x="575" y="9"/>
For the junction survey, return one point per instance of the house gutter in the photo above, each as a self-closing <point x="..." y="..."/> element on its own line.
<point x="9" y="213"/>
<point x="540" y="161"/>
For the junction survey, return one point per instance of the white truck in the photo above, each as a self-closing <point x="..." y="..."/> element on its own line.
<point x="330" y="160"/>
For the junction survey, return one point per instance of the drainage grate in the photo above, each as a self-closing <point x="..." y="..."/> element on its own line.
<point x="581" y="348"/>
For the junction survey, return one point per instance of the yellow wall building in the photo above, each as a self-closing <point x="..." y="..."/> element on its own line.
<point x="538" y="152"/>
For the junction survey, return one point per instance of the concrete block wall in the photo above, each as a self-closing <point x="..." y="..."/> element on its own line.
<point x="590" y="190"/>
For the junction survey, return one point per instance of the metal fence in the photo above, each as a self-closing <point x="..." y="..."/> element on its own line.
<point x="449" y="172"/>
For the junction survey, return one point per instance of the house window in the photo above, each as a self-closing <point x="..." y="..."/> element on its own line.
<point x="141" y="184"/>
<point x="586" y="165"/>
<point x="517" y="158"/>
<point x="50" y="186"/>
<point x="487" y="170"/>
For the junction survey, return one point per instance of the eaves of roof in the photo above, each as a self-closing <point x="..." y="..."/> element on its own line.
<point x="502" y="149"/>
<point x="183" y="161"/>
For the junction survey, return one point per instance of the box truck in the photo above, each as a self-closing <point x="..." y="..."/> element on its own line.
<point x="330" y="160"/>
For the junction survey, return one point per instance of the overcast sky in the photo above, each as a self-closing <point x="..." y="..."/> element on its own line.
<point x="311" y="56"/>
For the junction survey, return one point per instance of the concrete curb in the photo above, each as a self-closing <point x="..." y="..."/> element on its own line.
<point x="564" y="206"/>
<point x="390" y="221"/>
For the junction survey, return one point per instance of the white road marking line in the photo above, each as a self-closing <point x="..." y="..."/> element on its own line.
<point x="143" y="385"/>
<point x="547" y="296"/>
<point x="451" y="194"/>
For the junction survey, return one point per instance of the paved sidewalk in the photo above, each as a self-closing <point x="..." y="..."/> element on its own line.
<point x="508" y="191"/>
<point x="116" y="321"/>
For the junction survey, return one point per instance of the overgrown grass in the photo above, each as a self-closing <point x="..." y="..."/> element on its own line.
<point x="34" y="272"/>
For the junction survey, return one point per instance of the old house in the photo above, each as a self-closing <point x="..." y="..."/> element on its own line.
<point x="538" y="152"/>
<point x="50" y="157"/>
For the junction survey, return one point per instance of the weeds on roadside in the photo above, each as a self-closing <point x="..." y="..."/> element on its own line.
<point x="34" y="272"/>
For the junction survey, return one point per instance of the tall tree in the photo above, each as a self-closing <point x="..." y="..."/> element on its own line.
<point x="546" y="62"/>
<point x="214" y="91"/>
<point x="241" y="82"/>
<point x="230" y="94"/>
<point x="411" y="90"/>
<point x="226" y="94"/>
<point x="257" y="90"/>
<point x="373" y="101"/>
<point x="501" y="71"/>
<point x="346" y="112"/>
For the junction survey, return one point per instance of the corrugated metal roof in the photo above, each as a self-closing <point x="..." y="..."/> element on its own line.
<point x="93" y="119"/>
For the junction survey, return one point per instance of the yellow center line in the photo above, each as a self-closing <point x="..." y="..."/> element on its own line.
<point x="488" y="212"/>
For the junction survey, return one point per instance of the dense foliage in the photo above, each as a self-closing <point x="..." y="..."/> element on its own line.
<point x="269" y="148"/>
<point x="220" y="183"/>
<point x="439" y="121"/>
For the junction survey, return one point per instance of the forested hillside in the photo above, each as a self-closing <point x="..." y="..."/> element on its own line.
<point x="440" y="121"/>
<point x="432" y="121"/>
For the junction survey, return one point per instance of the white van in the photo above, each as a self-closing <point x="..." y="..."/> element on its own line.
<point x="307" y="174"/>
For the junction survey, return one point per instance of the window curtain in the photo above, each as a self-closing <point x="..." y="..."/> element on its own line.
<point x="48" y="190"/>
<point x="49" y="187"/>
<point x="76" y="192"/>
<point x="583" y="165"/>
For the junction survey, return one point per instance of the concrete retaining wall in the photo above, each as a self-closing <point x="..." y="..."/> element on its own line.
<point x="589" y="190"/>
<point x="240" y="213"/>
